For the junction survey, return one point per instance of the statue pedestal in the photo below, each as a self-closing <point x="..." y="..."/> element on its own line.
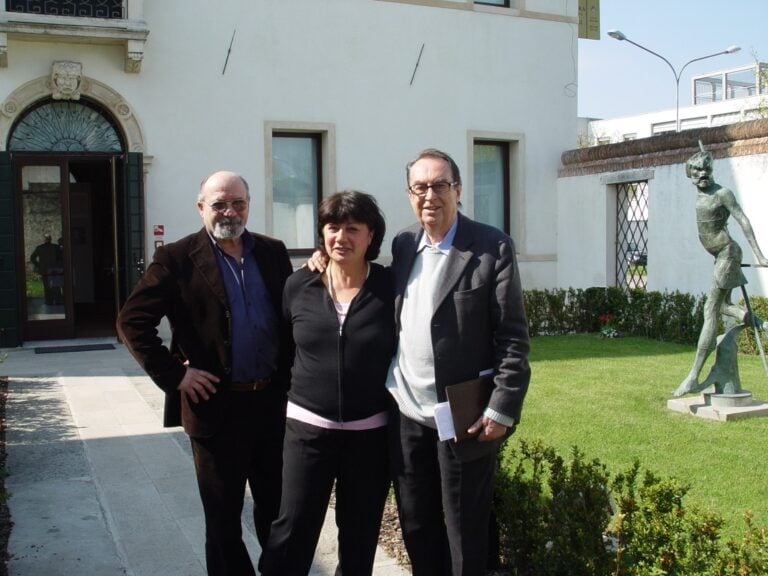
<point x="722" y="407"/>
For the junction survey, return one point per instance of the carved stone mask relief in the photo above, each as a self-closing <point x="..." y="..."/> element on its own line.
<point x="65" y="80"/>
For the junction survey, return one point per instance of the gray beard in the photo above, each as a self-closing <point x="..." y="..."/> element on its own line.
<point x="227" y="230"/>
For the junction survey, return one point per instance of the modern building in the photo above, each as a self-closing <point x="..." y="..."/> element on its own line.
<point x="112" y="111"/>
<point x="722" y="97"/>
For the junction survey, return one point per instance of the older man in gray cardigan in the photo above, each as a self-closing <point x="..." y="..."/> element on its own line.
<point x="459" y="309"/>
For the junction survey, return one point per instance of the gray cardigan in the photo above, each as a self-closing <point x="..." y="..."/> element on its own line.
<point x="479" y="320"/>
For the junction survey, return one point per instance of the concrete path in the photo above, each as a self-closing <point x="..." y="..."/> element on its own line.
<point x="98" y="486"/>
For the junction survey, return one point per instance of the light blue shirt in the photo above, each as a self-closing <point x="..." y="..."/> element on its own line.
<point x="445" y="244"/>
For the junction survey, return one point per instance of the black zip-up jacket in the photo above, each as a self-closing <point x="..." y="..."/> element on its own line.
<point x="340" y="374"/>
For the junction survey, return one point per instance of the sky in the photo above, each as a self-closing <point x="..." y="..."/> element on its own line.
<point x="619" y="79"/>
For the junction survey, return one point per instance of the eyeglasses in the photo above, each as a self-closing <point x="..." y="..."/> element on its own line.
<point x="221" y="206"/>
<point x="438" y="188"/>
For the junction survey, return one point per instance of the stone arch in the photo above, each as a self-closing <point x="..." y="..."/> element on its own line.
<point x="35" y="90"/>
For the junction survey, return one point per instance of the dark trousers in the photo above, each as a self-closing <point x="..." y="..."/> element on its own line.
<point x="52" y="287"/>
<point x="247" y="448"/>
<point x="313" y="458"/>
<point x="444" y="504"/>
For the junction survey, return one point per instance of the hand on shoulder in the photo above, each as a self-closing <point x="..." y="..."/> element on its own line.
<point x="317" y="262"/>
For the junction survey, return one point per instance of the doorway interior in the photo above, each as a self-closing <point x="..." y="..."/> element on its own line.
<point x="67" y="219"/>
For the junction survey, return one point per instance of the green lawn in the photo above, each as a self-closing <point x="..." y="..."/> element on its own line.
<point x="35" y="286"/>
<point x="608" y="397"/>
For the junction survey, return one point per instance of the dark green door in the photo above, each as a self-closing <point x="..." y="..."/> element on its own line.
<point x="132" y="252"/>
<point x="10" y="323"/>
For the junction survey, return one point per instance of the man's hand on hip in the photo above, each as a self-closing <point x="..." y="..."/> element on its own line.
<point x="198" y="384"/>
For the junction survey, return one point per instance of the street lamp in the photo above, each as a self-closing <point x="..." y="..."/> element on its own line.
<point x="619" y="35"/>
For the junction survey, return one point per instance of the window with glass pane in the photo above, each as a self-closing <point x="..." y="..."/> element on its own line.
<point x="493" y="2"/>
<point x="708" y="89"/>
<point x="43" y="242"/>
<point x="741" y="83"/>
<point x="296" y="188"/>
<point x="491" y="185"/>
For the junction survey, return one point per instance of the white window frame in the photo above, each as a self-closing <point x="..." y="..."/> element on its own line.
<point x="516" y="177"/>
<point x="327" y="135"/>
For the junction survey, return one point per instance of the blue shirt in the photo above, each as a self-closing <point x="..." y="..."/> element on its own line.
<point x="445" y="244"/>
<point x="254" y="320"/>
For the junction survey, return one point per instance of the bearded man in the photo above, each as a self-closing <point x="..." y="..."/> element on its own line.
<point x="226" y="370"/>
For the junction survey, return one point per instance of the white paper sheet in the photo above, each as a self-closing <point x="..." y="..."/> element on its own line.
<point x="444" y="421"/>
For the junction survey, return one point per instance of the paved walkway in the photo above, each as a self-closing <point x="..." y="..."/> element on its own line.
<point x="98" y="486"/>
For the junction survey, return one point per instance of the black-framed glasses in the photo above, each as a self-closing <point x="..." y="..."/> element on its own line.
<point x="438" y="188"/>
<point x="221" y="206"/>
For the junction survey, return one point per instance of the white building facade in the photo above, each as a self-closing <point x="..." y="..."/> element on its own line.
<point x="727" y="96"/>
<point x="109" y="120"/>
<point x="597" y="233"/>
<point x="625" y="196"/>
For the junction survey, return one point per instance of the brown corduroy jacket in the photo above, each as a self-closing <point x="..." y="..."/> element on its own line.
<point x="184" y="285"/>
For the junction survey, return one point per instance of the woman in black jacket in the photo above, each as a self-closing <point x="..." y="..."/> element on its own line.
<point x="343" y="327"/>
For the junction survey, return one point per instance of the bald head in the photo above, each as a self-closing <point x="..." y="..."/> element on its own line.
<point x="219" y="176"/>
<point x="223" y="204"/>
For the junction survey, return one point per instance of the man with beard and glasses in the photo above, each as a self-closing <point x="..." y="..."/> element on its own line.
<point x="226" y="369"/>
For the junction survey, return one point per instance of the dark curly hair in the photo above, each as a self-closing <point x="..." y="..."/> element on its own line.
<point x="356" y="206"/>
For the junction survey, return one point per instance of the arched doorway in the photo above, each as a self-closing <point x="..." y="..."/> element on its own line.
<point x="78" y="218"/>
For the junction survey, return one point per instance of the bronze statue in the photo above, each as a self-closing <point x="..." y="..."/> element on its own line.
<point x="714" y="205"/>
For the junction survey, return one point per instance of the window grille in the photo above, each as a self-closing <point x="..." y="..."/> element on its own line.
<point x="65" y="127"/>
<point x="81" y="8"/>
<point x="632" y="235"/>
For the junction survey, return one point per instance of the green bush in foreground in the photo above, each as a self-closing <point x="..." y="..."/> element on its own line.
<point x="571" y="519"/>
<point x="655" y="533"/>
<point x="552" y="515"/>
<point x="747" y="557"/>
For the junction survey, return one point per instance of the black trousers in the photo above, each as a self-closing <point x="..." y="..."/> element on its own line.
<point x="247" y="448"/>
<point x="313" y="458"/>
<point x="52" y="288"/>
<point x="444" y="504"/>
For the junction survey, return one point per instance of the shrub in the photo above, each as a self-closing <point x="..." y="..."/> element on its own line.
<point x="521" y="507"/>
<point x="747" y="344"/>
<point x="552" y="514"/>
<point x="560" y="518"/>
<point x="747" y="557"/>
<point x="667" y="316"/>
<point x="535" y="303"/>
<point x="655" y="534"/>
